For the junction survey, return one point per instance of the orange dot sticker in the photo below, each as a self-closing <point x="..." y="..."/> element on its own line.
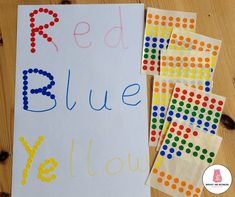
<point x="171" y="58"/>
<point x="155" y="171"/>
<point x="166" y="183"/>
<point x="177" y="25"/>
<point x="163" y="17"/>
<point x="159" y="180"/>
<point x="197" y="190"/>
<point x="195" y="41"/>
<point x="184" y="25"/>
<point x="188" y="193"/>
<point x="163" y="57"/>
<point x="181" y="37"/>
<point x="190" y="187"/>
<point x="149" y="21"/>
<point x="191" y="20"/>
<point x="156" y="22"/>
<point x="181" y="189"/>
<point x="176" y="180"/>
<point x="171" y="18"/>
<point x="169" y="177"/>
<point x="157" y="16"/>
<point x="173" y="186"/>
<point x="170" y="24"/>
<point x="162" y="173"/>
<point x="185" y="20"/>
<point x="174" y="36"/>
<point x="183" y="183"/>
<point x="177" y="19"/>
<point x="150" y="15"/>
<point x="216" y="47"/>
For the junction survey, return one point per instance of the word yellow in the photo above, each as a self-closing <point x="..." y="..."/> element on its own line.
<point x="42" y="167"/>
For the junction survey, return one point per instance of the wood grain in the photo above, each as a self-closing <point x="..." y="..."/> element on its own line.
<point x="215" y="19"/>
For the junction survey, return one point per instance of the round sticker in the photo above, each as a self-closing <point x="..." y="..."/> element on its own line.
<point x="217" y="179"/>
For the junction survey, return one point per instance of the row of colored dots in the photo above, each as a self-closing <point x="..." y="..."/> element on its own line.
<point x="186" y="58"/>
<point x="174" y="182"/>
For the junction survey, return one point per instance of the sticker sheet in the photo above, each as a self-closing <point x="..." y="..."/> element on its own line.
<point x="159" y="25"/>
<point x="186" y="64"/>
<point x="187" y="40"/>
<point x="186" y="152"/>
<point x="194" y="106"/>
<point x="162" y="92"/>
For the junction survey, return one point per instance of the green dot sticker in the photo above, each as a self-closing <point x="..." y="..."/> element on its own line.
<point x="167" y="141"/>
<point x="195" y="108"/>
<point x="190" y="145"/>
<point x="146" y="56"/>
<point x="209" y="160"/>
<point x="202" y="157"/>
<point x="154" y="126"/>
<point x="217" y="114"/>
<point x="201" y="116"/>
<point x="172" y="107"/>
<point x="153" y="56"/>
<point x="146" y="50"/>
<point x="176" y="139"/>
<point x="181" y="103"/>
<point x="169" y="135"/>
<point x="210" y="112"/>
<point x="188" y="150"/>
<point x="215" y="120"/>
<point x="181" y="147"/>
<point x="202" y="110"/>
<point x="154" y="120"/>
<point x="195" y="154"/>
<point x="188" y="105"/>
<point x="208" y="118"/>
<point x="186" y="111"/>
<point x="174" y="144"/>
<point x="153" y="50"/>
<point x="204" y="151"/>
<point x="197" y="148"/>
<point x="183" y="141"/>
<point x="212" y="154"/>
<point x="179" y="109"/>
<point x="194" y="113"/>
<point x="160" y="127"/>
<point x="161" y="121"/>
<point x="174" y="101"/>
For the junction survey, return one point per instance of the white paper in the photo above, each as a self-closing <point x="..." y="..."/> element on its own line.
<point x="95" y="50"/>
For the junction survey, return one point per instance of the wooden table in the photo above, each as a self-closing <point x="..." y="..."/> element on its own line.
<point x="215" y="19"/>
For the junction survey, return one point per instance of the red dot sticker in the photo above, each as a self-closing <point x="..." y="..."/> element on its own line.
<point x="197" y="102"/>
<point x="153" y="132"/>
<point x="195" y="133"/>
<point x="144" y="67"/>
<point x="176" y="95"/>
<point x="219" y="108"/>
<point x="211" y="106"/>
<point x="199" y="96"/>
<point x="213" y="100"/>
<point x="181" y="127"/>
<point x="184" y="91"/>
<point x="178" y="133"/>
<point x="152" y="62"/>
<point x="182" y="97"/>
<point x="145" y="62"/>
<point x="177" y="89"/>
<point x="174" y="124"/>
<point x="204" y="104"/>
<point x="172" y="130"/>
<point x="153" y="139"/>
<point x="188" y="130"/>
<point x="191" y="94"/>
<point x="151" y="68"/>
<point x="190" y="100"/>
<point x="206" y="98"/>
<point x="185" y="136"/>
<point x="220" y="102"/>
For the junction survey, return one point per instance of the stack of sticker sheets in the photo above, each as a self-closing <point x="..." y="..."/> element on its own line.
<point x="184" y="112"/>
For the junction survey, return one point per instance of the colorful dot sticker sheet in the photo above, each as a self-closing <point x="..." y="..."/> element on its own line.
<point x="186" y="64"/>
<point x="194" y="106"/>
<point x="187" y="40"/>
<point x="186" y="152"/>
<point x="162" y="92"/>
<point x="159" y="25"/>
